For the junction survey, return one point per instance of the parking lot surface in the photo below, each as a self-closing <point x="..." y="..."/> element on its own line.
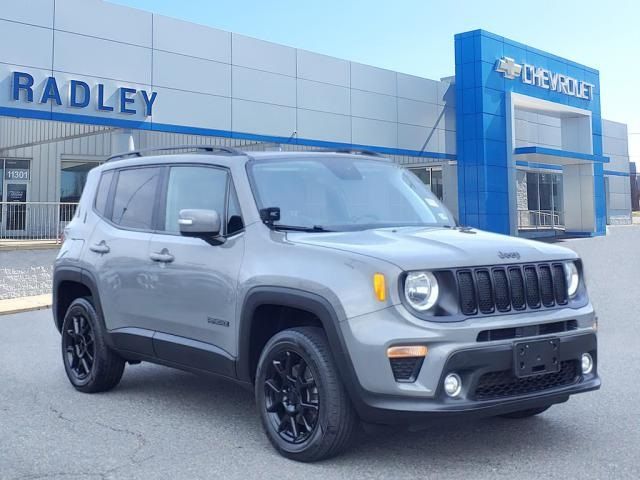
<point x="165" y="424"/>
<point x="25" y="273"/>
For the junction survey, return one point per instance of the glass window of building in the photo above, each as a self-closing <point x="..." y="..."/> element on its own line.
<point x="1" y="182"/>
<point x="1" y="187"/>
<point x="73" y="176"/>
<point x="540" y="200"/>
<point x="432" y="178"/>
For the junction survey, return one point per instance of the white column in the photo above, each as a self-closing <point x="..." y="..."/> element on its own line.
<point x="578" y="193"/>
<point x="450" y="187"/>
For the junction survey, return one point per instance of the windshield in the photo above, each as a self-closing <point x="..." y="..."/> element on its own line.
<point x="342" y="193"/>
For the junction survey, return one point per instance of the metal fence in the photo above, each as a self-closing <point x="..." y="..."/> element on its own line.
<point x="540" y="219"/>
<point x="34" y="220"/>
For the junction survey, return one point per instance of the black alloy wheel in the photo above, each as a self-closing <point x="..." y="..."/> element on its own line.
<point x="291" y="397"/>
<point x="90" y="364"/>
<point x="79" y="346"/>
<point x="305" y="410"/>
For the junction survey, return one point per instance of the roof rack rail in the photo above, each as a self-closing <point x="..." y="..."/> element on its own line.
<point x="206" y="148"/>
<point x="358" y="151"/>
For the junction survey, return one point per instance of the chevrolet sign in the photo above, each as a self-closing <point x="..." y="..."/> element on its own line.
<point x="543" y="78"/>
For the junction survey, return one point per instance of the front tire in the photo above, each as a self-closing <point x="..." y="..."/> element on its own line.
<point x="90" y="364"/>
<point x="531" y="412"/>
<point x="305" y="410"/>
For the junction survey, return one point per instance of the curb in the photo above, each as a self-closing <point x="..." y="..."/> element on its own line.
<point x="25" y="304"/>
<point x="4" y="247"/>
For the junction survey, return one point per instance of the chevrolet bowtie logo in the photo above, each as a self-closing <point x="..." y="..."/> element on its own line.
<point x="509" y="68"/>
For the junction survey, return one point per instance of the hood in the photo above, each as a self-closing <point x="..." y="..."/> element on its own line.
<point x="413" y="248"/>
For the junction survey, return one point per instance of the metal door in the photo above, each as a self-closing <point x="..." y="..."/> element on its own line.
<point x="14" y="207"/>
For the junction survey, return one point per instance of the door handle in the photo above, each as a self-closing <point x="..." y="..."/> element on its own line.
<point x="101" y="247"/>
<point x="163" y="256"/>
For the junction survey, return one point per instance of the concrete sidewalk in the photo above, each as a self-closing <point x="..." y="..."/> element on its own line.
<point x="25" y="304"/>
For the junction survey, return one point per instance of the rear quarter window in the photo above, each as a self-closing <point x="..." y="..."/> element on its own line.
<point x="102" y="194"/>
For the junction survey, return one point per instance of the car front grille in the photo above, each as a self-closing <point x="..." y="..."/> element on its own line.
<point x="527" y="331"/>
<point x="485" y="290"/>
<point x="494" y="385"/>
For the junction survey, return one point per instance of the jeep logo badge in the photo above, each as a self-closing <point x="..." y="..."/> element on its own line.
<point x="503" y="255"/>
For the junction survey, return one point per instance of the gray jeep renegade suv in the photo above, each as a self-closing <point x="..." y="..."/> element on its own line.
<point x="334" y="285"/>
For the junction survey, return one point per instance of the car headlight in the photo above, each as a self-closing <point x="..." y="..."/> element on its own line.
<point x="572" y="278"/>
<point x="421" y="290"/>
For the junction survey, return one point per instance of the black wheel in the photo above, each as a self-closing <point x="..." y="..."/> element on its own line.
<point x="305" y="410"/>
<point x="526" y="413"/>
<point x="90" y="365"/>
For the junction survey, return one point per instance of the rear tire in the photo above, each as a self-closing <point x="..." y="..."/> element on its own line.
<point x="90" y="364"/>
<point x="305" y="410"/>
<point x="526" y="413"/>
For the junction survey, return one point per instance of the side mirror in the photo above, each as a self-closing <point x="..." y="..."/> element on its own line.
<point x="199" y="223"/>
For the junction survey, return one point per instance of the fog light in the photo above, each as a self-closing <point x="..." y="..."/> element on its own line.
<point x="453" y="384"/>
<point x="587" y="364"/>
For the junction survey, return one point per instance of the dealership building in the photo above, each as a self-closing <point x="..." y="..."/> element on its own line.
<point x="513" y="141"/>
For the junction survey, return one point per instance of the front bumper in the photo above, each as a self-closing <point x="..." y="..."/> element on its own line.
<point x="471" y="365"/>
<point x="454" y="348"/>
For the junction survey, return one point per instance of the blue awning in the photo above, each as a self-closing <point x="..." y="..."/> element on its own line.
<point x="556" y="157"/>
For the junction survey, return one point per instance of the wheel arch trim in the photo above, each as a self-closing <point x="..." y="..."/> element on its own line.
<point x="82" y="277"/>
<point x="60" y="275"/>
<point x="303" y="300"/>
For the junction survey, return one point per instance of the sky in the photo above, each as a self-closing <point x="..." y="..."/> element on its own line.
<point x="416" y="36"/>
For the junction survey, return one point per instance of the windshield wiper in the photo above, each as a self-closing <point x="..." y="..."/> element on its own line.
<point x="297" y="228"/>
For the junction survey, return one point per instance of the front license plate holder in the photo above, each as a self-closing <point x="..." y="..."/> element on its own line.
<point x="536" y="357"/>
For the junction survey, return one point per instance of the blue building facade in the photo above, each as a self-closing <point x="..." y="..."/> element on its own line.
<point x="495" y="76"/>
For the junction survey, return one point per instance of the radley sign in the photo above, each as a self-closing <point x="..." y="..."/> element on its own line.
<point x="78" y="94"/>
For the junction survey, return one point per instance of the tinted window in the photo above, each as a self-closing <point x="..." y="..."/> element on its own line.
<point x="133" y="204"/>
<point x="103" y="192"/>
<point x="234" y="216"/>
<point x="194" y="187"/>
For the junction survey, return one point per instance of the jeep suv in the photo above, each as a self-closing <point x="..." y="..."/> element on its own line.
<point x="334" y="285"/>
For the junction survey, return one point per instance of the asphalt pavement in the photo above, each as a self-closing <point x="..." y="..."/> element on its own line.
<point x="161" y="423"/>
